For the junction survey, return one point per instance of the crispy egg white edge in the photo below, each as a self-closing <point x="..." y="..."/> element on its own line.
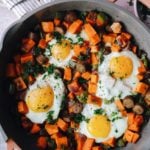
<point x="58" y="88"/>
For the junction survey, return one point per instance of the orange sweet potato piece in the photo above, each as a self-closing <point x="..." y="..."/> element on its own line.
<point x="134" y="127"/>
<point x="51" y="129"/>
<point x="62" y="141"/>
<point x="27" y="45"/>
<point x="92" y="34"/>
<point x="90" y="31"/>
<point x="139" y="119"/>
<point x="62" y="124"/>
<point x="86" y="75"/>
<point x="115" y="48"/>
<point x="142" y="68"/>
<point x="35" y="128"/>
<point x="78" y="49"/>
<point x="80" y="140"/>
<point x="92" y="88"/>
<point x="77" y="75"/>
<point x="97" y="148"/>
<point x="131" y="117"/>
<point x="75" y="26"/>
<point x="94" y="48"/>
<point x="141" y="88"/>
<point x="119" y="105"/>
<point x="94" y="78"/>
<point x="94" y="100"/>
<point x="10" y="70"/>
<point x="48" y="37"/>
<point x="48" y="27"/>
<point x="135" y="137"/>
<point x="110" y="142"/>
<point x="71" y="96"/>
<point x="41" y="142"/>
<point x="18" y="69"/>
<point x="42" y="44"/>
<point x="67" y="74"/>
<point x="31" y="79"/>
<point x="131" y="137"/>
<point x="140" y="76"/>
<point x="20" y="84"/>
<point x="94" y="59"/>
<point x="126" y="35"/>
<point x="88" y="144"/>
<point x="57" y="21"/>
<point x="26" y="58"/>
<point x="22" y="107"/>
<point x="73" y="86"/>
<point x="109" y="38"/>
<point x="95" y="39"/>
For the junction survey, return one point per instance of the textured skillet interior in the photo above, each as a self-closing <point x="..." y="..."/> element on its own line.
<point x="7" y="119"/>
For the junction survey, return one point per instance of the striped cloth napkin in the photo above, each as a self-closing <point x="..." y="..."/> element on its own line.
<point x="21" y="7"/>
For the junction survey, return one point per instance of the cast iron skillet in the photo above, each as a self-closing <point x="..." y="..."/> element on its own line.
<point x="8" y="118"/>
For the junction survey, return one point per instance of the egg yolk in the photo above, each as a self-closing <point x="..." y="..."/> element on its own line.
<point x="121" y="67"/>
<point x="60" y="51"/>
<point x="99" y="126"/>
<point x="40" y="99"/>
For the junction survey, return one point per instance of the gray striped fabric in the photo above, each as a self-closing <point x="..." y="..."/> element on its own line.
<point x="21" y="7"/>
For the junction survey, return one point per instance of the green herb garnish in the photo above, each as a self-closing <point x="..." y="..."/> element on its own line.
<point x="99" y="111"/>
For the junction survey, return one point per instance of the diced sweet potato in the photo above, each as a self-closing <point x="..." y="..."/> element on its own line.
<point x="67" y="74"/>
<point x="141" y="88"/>
<point x="20" y="84"/>
<point x="75" y="26"/>
<point x="86" y="75"/>
<point x="27" y="45"/>
<point x="92" y="88"/>
<point x="22" y="107"/>
<point x="26" y="58"/>
<point x="35" y="129"/>
<point x="94" y="100"/>
<point x="110" y="142"/>
<point x="41" y="142"/>
<point x="62" y="124"/>
<point x="80" y="140"/>
<point x="42" y="44"/>
<point x="51" y="129"/>
<point x="88" y="144"/>
<point x="48" y="27"/>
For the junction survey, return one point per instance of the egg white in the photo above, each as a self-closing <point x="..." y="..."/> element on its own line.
<point x="108" y="87"/>
<point x="58" y="89"/>
<point x="118" y="126"/>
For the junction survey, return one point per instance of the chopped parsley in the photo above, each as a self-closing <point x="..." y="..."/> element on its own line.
<point x="81" y="80"/>
<point x="109" y="101"/>
<point x="99" y="111"/>
<point x="50" y="69"/>
<point x="82" y="97"/>
<point x="79" y="118"/>
<point x="58" y="36"/>
<point x="115" y="116"/>
<point x="80" y="40"/>
<point x="50" y="117"/>
<point x="37" y="51"/>
<point x="101" y="55"/>
<point x="145" y="60"/>
<point x="83" y="57"/>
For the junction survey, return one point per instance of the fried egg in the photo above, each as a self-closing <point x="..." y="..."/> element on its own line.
<point x="103" y="126"/>
<point x="118" y="75"/>
<point x="60" y="52"/>
<point x="44" y="95"/>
